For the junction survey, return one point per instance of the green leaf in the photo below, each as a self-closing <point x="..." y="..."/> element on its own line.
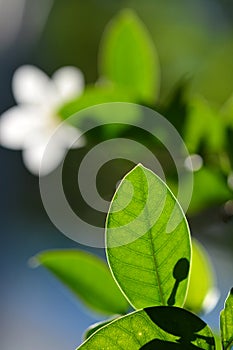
<point x="88" y="277"/>
<point x="204" y="124"/>
<point x="201" y="292"/>
<point x="210" y="188"/>
<point x="148" y="241"/>
<point x="95" y="95"/>
<point x="226" y="323"/>
<point x="128" y="57"/>
<point x="227" y="111"/>
<point x="153" y="328"/>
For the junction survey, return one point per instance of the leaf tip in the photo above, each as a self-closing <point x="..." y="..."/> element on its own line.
<point x="140" y="165"/>
<point x="127" y="14"/>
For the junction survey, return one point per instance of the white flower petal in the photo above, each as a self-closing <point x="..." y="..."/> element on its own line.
<point x="32" y="125"/>
<point x="32" y="86"/>
<point x="17" y="124"/>
<point x="41" y="160"/>
<point x="69" y="136"/>
<point x="69" y="82"/>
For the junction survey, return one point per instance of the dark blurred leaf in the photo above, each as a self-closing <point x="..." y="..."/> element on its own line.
<point x="128" y="57"/>
<point x="204" y="124"/>
<point x="176" y="107"/>
<point x="88" y="277"/>
<point x="227" y="111"/>
<point x="226" y="323"/>
<point x="210" y="188"/>
<point x="150" y="264"/>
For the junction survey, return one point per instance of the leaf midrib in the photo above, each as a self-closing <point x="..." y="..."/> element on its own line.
<point x="152" y="249"/>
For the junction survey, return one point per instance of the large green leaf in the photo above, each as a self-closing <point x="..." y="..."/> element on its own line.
<point x="202" y="293"/>
<point x="153" y="328"/>
<point x="226" y="323"/>
<point x="88" y="277"/>
<point x="150" y="265"/>
<point x="128" y="57"/>
<point x="94" y="327"/>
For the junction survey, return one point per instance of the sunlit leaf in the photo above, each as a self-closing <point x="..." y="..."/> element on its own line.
<point x="88" y="277"/>
<point x="150" y="265"/>
<point x="128" y="57"/>
<point x="93" y="328"/>
<point x="201" y="292"/>
<point x="153" y="328"/>
<point x="226" y="323"/>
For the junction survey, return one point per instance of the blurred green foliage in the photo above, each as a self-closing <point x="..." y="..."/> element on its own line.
<point x="175" y="58"/>
<point x="129" y="71"/>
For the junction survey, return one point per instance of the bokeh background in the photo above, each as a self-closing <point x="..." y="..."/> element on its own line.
<point x="194" y="40"/>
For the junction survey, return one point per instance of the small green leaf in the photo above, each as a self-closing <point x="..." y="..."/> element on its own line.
<point x="95" y="95"/>
<point x="227" y="111"/>
<point x="226" y="323"/>
<point x="128" y="57"/>
<point x="150" y="265"/>
<point x="210" y="187"/>
<point x="153" y="328"/>
<point x="201" y="296"/>
<point x="204" y="124"/>
<point x="88" y="277"/>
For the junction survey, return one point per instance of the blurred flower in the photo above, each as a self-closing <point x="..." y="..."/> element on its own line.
<point x="30" y="125"/>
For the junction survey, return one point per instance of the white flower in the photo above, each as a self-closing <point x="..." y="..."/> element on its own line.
<point x="30" y="125"/>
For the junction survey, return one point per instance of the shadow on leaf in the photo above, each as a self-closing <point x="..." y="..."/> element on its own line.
<point x="180" y="323"/>
<point x="180" y="273"/>
<point x="166" y="345"/>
